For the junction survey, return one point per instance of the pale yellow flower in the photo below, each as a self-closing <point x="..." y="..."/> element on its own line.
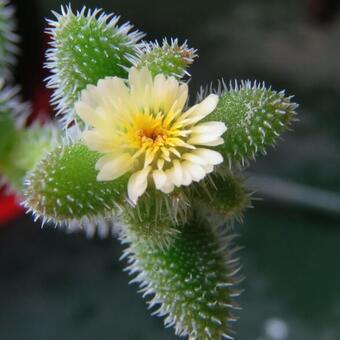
<point x="142" y="127"/>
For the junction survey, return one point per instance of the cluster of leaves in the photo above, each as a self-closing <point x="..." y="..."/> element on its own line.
<point x="178" y="245"/>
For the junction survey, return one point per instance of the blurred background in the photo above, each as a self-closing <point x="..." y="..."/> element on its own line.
<point x="58" y="286"/>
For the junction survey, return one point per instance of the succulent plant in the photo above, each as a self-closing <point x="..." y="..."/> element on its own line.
<point x="133" y="159"/>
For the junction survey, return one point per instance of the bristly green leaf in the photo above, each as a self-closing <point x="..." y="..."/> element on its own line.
<point x="157" y="216"/>
<point x="222" y="194"/>
<point x="27" y="147"/>
<point x="12" y="106"/>
<point x="171" y="59"/>
<point x="255" y="117"/>
<point x="8" y="39"/>
<point x="192" y="282"/>
<point x="86" y="46"/>
<point x="19" y="148"/>
<point x="63" y="188"/>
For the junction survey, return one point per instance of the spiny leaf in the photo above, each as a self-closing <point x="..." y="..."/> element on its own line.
<point x="157" y="216"/>
<point x="27" y="147"/>
<point x="8" y="39"/>
<point x="171" y="59"/>
<point x="86" y="46"/>
<point x="255" y="117"/>
<point x="19" y="148"/>
<point x="192" y="282"/>
<point x="63" y="188"/>
<point x="223" y="194"/>
<point x="11" y="105"/>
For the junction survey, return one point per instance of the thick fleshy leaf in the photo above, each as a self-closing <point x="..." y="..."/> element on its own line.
<point x="255" y="116"/>
<point x="8" y="39"/>
<point x="64" y="186"/>
<point x="26" y="148"/>
<point x="222" y="195"/>
<point x="192" y="283"/>
<point x="170" y="59"/>
<point x="86" y="46"/>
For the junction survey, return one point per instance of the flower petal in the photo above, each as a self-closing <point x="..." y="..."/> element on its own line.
<point x="211" y="156"/>
<point x="137" y="184"/>
<point x="175" y="173"/>
<point x="209" y="168"/>
<point x="206" y="106"/>
<point x="192" y="157"/>
<point x="113" y="167"/>
<point x="201" y="110"/>
<point x="141" y="86"/>
<point x="162" y="181"/>
<point x="196" y="172"/>
<point x="186" y="177"/>
<point x="206" y="132"/>
<point x="166" y="91"/>
<point x="159" y="178"/>
<point x="202" y="139"/>
<point x="208" y="127"/>
<point x="95" y="141"/>
<point x="167" y="187"/>
<point x="87" y="113"/>
<point x="215" y="142"/>
<point x="89" y="95"/>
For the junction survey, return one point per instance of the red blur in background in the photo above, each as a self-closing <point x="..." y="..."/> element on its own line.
<point x="9" y="207"/>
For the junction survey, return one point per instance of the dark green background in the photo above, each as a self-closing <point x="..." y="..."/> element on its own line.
<point x="57" y="286"/>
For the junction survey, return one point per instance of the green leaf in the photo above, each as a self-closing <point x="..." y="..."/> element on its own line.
<point x="192" y="282"/>
<point x="171" y="59"/>
<point x="223" y="194"/>
<point x="157" y="216"/>
<point x="255" y="117"/>
<point x="86" y="46"/>
<point x="63" y="187"/>
<point x="11" y="106"/>
<point x="8" y="39"/>
<point x="28" y="146"/>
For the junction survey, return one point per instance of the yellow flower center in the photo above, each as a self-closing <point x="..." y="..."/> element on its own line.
<point x="154" y="135"/>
